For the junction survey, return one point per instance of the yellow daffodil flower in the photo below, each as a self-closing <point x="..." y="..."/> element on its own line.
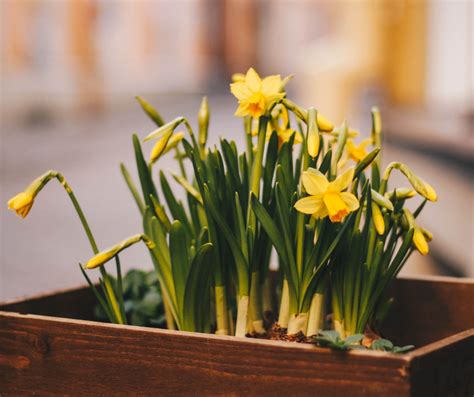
<point x="255" y="95"/>
<point x="357" y="152"/>
<point x="327" y="198"/>
<point x="21" y="203"/>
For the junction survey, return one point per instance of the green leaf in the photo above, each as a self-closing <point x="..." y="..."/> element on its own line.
<point x="404" y="349"/>
<point x="175" y="207"/>
<point x="232" y="241"/>
<point x="269" y="167"/>
<point x="381" y="344"/>
<point x="354" y="339"/>
<point x="149" y="304"/>
<point x="366" y="161"/>
<point x="146" y="182"/>
<point x="161" y="214"/>
<point x="179" y="262"/>
<point x="197" y="283"/>
<point x="326" y="163"/>
<point x="287" y="261"/>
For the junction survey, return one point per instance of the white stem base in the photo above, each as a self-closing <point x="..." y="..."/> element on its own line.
<point x="297" y="323"/>
<point x="284" y="314"/>
<point x="242" y="311"/>
<point x="316" y="315"/>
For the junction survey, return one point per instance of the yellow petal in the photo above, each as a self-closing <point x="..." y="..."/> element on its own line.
<point x="240" y="91"/>
<point x="322" y="213"/>
<point x="350" y="200"/>
<point x="309" y="205"/>
<point x="253" y="81"/>
<point x="286" y="80"/>
<point x="420" y="241"/>
<point x="271" y="85"/>
<point x="342" y="181"/>
<point x="21" y="203"/>
<point x="241" y="110"/>
<point x="314" y="182"/>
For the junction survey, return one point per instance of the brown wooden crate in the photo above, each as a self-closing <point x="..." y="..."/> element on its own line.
<point x="51" y="355"/>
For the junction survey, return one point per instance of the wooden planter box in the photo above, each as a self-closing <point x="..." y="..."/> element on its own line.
<point x="49" y="345"/>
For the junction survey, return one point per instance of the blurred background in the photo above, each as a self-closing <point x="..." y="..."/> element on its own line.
<point x="70" y="70"/>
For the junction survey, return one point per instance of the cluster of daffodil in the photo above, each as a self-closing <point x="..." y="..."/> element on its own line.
<point x="302" y="187"/>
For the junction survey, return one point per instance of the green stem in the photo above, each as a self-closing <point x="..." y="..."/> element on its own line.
<point x="95" y="249"/>
<point x="180" y="162"/>
<point x="248" y="139"/>
<point x="257" y="163"/>
<point x="120" y="288"/>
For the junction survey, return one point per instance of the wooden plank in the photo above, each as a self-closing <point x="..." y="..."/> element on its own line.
<point x="444" y="368"/>
<point x="429" y="309"/>
<point x="61" y="356"/>
<point x="69" y="303"/>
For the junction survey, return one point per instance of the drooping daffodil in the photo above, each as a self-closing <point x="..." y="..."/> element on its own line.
<point x="421" y="236"/>
<point x="21" y="203"/>
<point x="256" y="95"/>
<point x="327" y="198"/>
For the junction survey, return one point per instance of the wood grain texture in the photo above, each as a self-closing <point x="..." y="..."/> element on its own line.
<point x="51" y="355"/>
